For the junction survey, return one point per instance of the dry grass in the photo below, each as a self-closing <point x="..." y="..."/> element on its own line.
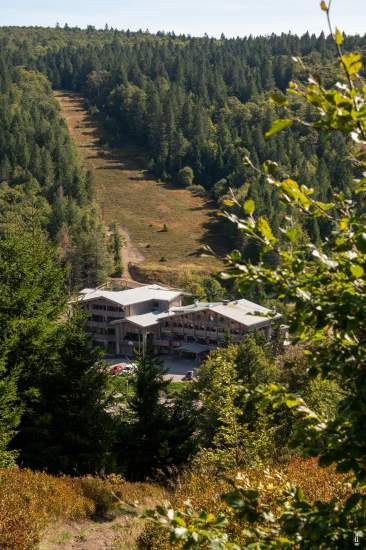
<point x="203" y="488"/>
<point x="63" y="512"/>
<point x="141" y="205"/>
<point x="30" y="500"/>
<point x="317" y="483"/>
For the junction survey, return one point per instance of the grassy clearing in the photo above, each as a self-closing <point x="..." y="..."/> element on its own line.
<point x="141" y="206"/>
<point x="122" y="384"/>
<point x="176" y="388"/>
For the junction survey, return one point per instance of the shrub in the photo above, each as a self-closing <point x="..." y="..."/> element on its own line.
<point x="203" y="489"/>
<point x="197" y="190"/>
<point x="30" y="500"/>
<point x="98" y="491"/>
<point x="185" y="176"/>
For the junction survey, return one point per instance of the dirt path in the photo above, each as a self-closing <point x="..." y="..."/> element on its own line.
<point x="130" y="254"/>
<point x="119" y="534"/>
<point x="85" y="136"/>
<point x="165" y="227"/>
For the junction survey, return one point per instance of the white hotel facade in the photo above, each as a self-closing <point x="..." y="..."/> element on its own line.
<point x="154" y="315"/>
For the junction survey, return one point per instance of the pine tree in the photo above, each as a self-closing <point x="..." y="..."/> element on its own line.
<point x="68" y="427"/>
<point x="31" y="300"/>
<point x="10" y="414"/>
<point x="145" y="441"/>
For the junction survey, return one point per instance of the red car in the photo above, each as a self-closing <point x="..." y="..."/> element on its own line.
<point x="117" y="368"/>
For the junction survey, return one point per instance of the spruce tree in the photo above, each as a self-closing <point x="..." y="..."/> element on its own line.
<point x="144" y="442"/>
<point x="31" y="301"/>
<point x="68" y="427"/>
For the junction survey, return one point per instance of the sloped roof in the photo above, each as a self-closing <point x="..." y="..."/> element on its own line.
<point x="131" y="296"/>
<point x="242" y="311"/>
<point x="147" y="319"/>
<point x="244" y="317"/>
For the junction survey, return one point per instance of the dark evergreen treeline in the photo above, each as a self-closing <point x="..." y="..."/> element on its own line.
<point x="40" y="175"/>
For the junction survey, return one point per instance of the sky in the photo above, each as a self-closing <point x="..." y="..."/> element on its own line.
<point x="195" y="17"/>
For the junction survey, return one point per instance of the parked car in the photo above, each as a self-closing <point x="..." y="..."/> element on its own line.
<point x="189" y="375"/>
<point x="129" y="368"/>
<point x="117" y="368"/>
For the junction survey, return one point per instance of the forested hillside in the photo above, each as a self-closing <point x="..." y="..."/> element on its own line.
<point x="196" y="104"/>
<point x="42" y="181"/>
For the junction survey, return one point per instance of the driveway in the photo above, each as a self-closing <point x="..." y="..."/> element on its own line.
<point x="177" y="366"/>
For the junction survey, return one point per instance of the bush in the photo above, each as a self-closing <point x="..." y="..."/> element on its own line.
<point x="197" y="190"/>
<point x="204" y="487"/>
<point x="98" y="491"/>
<point x="29" y="501"/>
<point x="185" y="176"/>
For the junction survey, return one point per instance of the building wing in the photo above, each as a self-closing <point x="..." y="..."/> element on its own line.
<point x="132" y="296"/>
<point x="147" y="319"/>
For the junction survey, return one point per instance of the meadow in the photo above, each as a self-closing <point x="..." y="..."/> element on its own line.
<point x="165" y="227"/>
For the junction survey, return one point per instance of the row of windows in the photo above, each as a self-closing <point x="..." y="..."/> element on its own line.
<point x="101" y="307"/>
<point x="219" y="331"/>
<point x="101" y="319"/>
<point x="108" y="331"/>
<point x="200" y="327"/>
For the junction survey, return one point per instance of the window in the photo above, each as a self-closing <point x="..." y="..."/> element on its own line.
<point x="111" y="331"/>
<point x="114" y="308"/>
<point x="99" y="307"/>
<point x="132" y="336"/>
<point x="97" y="318"/>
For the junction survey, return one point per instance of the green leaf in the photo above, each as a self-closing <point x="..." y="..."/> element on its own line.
<point x="292" y="401"/>
<point x="361" y="242"/>
<point x="357" y="271"/>
<point x="278" y="126"/>
<point x="338" y="37"/>
<point x="249" y="206"/>
<point x="352" y="62"/>
<point x="270" y="167"/>
<point x="265" y="230"/>
<point x="279" y="99"/>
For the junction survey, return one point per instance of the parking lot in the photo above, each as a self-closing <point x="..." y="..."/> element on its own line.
<point x="177" y="366"/>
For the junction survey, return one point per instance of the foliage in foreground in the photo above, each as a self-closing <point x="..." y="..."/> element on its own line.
<point x="201" y="489"/>
<point x="326" y="285"/>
